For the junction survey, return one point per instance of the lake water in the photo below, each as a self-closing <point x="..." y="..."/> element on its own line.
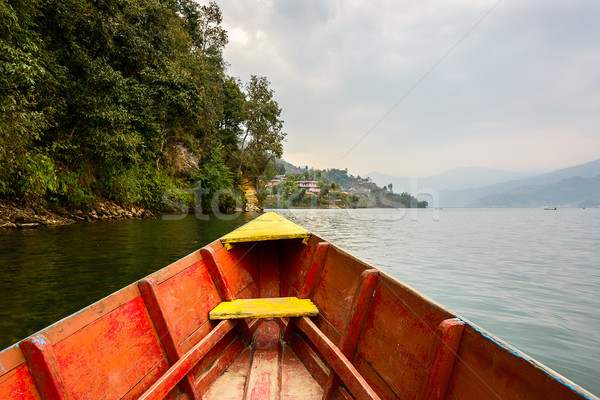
<point x="529" y="276"/>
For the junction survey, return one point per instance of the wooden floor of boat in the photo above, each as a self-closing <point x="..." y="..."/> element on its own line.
<point x="267" y="369"/>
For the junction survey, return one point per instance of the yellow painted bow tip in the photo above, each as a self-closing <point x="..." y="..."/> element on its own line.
<point x="269" y="226"/>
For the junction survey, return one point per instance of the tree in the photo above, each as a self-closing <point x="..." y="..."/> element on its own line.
<point x="230" y="125"/>
<point x="112" y="98"/>
<point x="203" y="24"/>
<point x="263" y="136"/>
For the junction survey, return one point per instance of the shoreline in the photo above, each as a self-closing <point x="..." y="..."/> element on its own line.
<point x="18" y="216"/>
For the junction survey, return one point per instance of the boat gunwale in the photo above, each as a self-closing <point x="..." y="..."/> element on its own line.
<point x="484" y="333"/>
<point x="14" y="357"/>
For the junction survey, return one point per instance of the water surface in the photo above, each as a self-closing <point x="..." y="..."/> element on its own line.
<point x="529" y="276"/>
<point x="49" y="273"/>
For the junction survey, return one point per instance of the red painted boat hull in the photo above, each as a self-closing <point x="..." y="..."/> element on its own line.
<point x="374" y="337"/>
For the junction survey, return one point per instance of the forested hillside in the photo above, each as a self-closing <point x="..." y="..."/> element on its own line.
<point x="125" y="100"/>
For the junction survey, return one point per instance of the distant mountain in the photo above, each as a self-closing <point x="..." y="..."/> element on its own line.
<point x="571" y="192"/>
<point x="471" y="197"/>
<point x="454" y="179"/>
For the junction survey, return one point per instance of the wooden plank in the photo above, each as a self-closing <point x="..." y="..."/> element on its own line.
<point x="44" y="368"/>
<point x="244" y="257"/>
<point x="10" y="358"/>
<point x="449" y="333"/>
<point x="286" y="289"/>
<point x="180" y="369"/>
<point x="59" y="331"/>
<point x="212" y="357"/>
<point x="81" y="319"/>
<point x="264" y="377"/>
<point x="269" y="226"/>
<point x="401" y="320"/>
<point x="147" y="381"/>
<point x="269" y="270"/>
<point x="96" y="360"/>
<point x="217" y="274"/>
<point x="250" y="292"/>
<point x="342" y="394"/>
<point x="310" y="359"/>
<point x="296" y="381"/>
<point x="187" y="298"/>
<point x="176" y="267"/>
<point x="218" y="277"/>
<point x="231" y="384"/>
<point x="308" y="288"/>
<point x="336" y="286"/>
<point x="220" y="364"/>
<point x="316" y="267"/>
<point x="244" y="273"/>
<point x="296" y="260"/>
<point x="197" y="335"/>
<point x="354" y="326"/>
<point x="378" y="384"/>
<point x="149" y="290"/>
<point x="487" y="368"/>
<point x="264" y="308"/>
<point x="357" y="385"/>
<point x="17" y="384"/>
<point x="360" y="309"/>
<point x="329" y="330"/>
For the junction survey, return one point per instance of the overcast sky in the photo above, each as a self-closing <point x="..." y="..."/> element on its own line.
<point x="413" y="88"/>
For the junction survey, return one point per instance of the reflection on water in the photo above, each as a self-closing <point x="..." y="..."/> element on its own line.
<point x="47" y="274"/>
<point x="530" y="277"/>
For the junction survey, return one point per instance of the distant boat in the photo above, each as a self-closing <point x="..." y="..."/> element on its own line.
<point x="272" y="311"/>
<point x="550" y="208"/>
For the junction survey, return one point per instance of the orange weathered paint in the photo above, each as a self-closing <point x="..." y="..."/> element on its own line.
<point x="383" y="339"/>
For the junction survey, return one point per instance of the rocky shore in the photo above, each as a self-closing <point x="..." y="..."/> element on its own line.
<point x="16" y="216"/>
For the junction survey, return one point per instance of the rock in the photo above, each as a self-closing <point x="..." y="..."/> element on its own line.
<point x="28" y="225"/>
<point x="148" y="214"/>
<point x="182" y="159"/>
<point x="24" y="216"/>
<point x="8" y="225"/>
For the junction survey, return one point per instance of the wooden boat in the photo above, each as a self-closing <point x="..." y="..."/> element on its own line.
<point x="271" y="311"/>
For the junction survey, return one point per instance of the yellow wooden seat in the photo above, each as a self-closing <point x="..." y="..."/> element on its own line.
<point x="269" y="226"/>
<point x="264" y="308"/>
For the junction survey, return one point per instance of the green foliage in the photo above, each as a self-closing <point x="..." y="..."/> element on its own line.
<point x="70" y="192"/>
<point x="139" y="185"/>
<point x="263" y="136"/>
<point x="215" y="175"/>
<point x="227" y="200"/>
<point x="94" y="97"/>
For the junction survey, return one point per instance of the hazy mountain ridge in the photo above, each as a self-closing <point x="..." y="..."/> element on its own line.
<point x="571" y="192"/>
<point x="455" y="179"/>
<point x="557" y="188"/>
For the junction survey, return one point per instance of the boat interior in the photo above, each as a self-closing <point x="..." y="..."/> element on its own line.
<point x="211" y="326"/>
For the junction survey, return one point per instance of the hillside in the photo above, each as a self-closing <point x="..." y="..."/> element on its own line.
<point x="571" y="192"/>
<point x="330" y="188"/>
<point x="471" y="197"/>
<point x="126" y="102"/>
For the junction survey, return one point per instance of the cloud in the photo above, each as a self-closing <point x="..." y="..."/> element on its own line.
<point x="338" y="66"/>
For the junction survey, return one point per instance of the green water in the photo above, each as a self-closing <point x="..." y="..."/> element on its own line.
<point x="47" y="274"/>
